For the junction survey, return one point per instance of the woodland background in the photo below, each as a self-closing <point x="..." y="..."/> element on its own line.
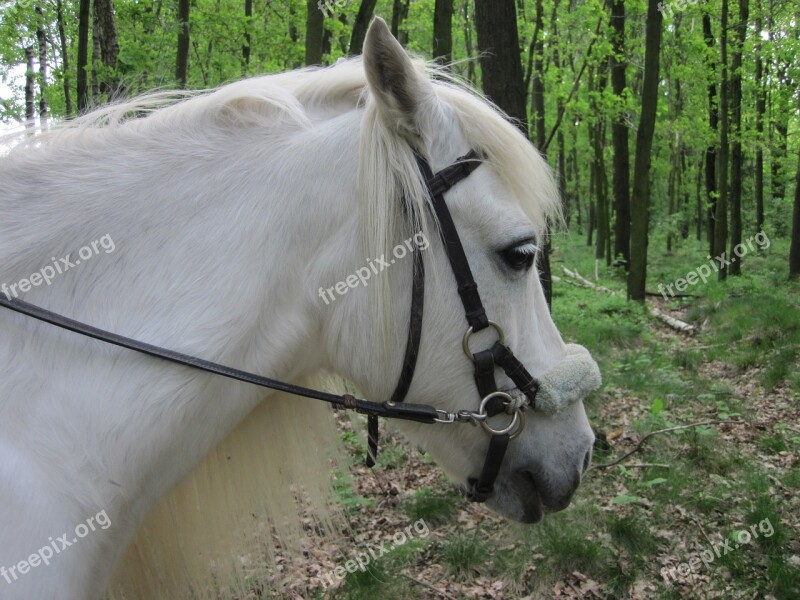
<point x="674" y="129"/>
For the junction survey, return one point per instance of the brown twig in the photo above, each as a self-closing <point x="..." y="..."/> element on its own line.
<point x="429" y="586"/>
<point x="658" y="431"/>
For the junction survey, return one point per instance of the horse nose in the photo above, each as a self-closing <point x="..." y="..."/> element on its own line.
<point x="553" y="495"/>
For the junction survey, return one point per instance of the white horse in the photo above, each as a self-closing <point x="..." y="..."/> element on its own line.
<point x="208" y="226"/>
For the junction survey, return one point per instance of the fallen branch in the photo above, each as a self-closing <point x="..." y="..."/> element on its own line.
<point x="677" y="324"/>
<point x="658" y="431"/>
<point x="429" y="586"/>
<point x="668" y="320"/>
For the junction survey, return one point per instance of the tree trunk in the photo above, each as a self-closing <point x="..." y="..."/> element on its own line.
<point x="469" y="44"/>
<point x="761" y="108"/>
<point x="84" y="14"/>
<point x="315" y="22"/>
<point x="537" y="88"/>
<point x="721" y="213"/>
<point x="64" y="58"/>
<point x="399" y="14"/>
<point x="182" y="59"/>
<point x="41" y="39"/>
<point x="443" y="31"/>
<point x="637" y="277"/>
<point x="794" y="251"/>
<point x="362" y="24"/>
<point x="736" y="150"/>
<point x="30" y="89"/>
<point x="501" y="64"/>
<point x="713" y="123"/>
<point x="105" y="36"/>
<point x="619" y="134"/>
<point x="247" y="45"/>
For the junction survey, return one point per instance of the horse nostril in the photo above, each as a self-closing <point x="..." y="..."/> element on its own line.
<point x="586" y="460"/>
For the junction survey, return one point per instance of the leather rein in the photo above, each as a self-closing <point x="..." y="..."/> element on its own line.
<point x="493" y="402"/>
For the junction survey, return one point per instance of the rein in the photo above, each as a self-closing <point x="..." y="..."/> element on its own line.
<point x="493" y="402"/>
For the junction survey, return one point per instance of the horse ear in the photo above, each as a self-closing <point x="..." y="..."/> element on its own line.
<point x="399" y="89"/>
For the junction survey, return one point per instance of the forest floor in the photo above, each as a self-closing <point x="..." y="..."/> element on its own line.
<point x="708" y="511"/>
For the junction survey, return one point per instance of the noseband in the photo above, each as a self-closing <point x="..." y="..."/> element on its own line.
<point x="493" y="402"/>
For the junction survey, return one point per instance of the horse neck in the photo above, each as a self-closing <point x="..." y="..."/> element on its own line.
<point x="220" y="247"/>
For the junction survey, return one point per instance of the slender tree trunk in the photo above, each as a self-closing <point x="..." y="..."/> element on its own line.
<point x="713" y="122"/>
<point x="637" y="276"/>
<point x="30" y="89"/>
<point x="247" y="45"/>
<point x="700" y="202"/>
<point x="794" y="251"/>
<point x="721" y="213"/>
<point x="64" y="58"/>
<point x="443" y="31"/>
<point x="84" y="14"/>
<point x="736" y="151"/>
<point x="315" y="21"/>
<point x="761" y="108"/>
<point x="399" y="14"/>
<point x="598" y="164"/>
<point x="537" y="91"/>
<point x="619" y="133"/>
<point x="361" y="25"/>
<point x="182" y="60"/>
<point x="41" y="40"/>
<point x="469" y="44"/>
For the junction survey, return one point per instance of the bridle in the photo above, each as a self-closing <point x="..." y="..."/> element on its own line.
<point x="493" y="402"/>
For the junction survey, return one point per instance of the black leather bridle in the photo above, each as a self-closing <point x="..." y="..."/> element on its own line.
<point x="493" y="402"/>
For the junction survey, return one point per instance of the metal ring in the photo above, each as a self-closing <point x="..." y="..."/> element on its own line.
<point x="517" y="422"/>
<point x="471" y="330"/>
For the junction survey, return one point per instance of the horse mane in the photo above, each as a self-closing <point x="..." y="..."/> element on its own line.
<point x="209" y="534"/>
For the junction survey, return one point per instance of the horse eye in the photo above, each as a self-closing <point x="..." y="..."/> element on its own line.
<point x="520" y="257"/>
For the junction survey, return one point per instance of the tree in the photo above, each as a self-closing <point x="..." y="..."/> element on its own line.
<point x="41" y="40"/>
<point x="182" y="60"/>
<point x="83" y="55"/>
<point x="640" y="213"/>
<point x="721" y="212"/>
<point x="62" y="37"/>
<point x="315" y="22"/>
<point x="619" y="134"/>
<point x="713" y="123"/>
<point x="399" y="13"/>
<point x="361" y="25"/>
<point x="104" y="34"/>
<point x="247" y="45"/>
<point x="736" y="150"/>
<point x="761" y="108"/>
<point x="794" y="250"/>
<point x="30" y="89"/>
<point x="501" y="64"/>
<point x="443" y="31"/>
